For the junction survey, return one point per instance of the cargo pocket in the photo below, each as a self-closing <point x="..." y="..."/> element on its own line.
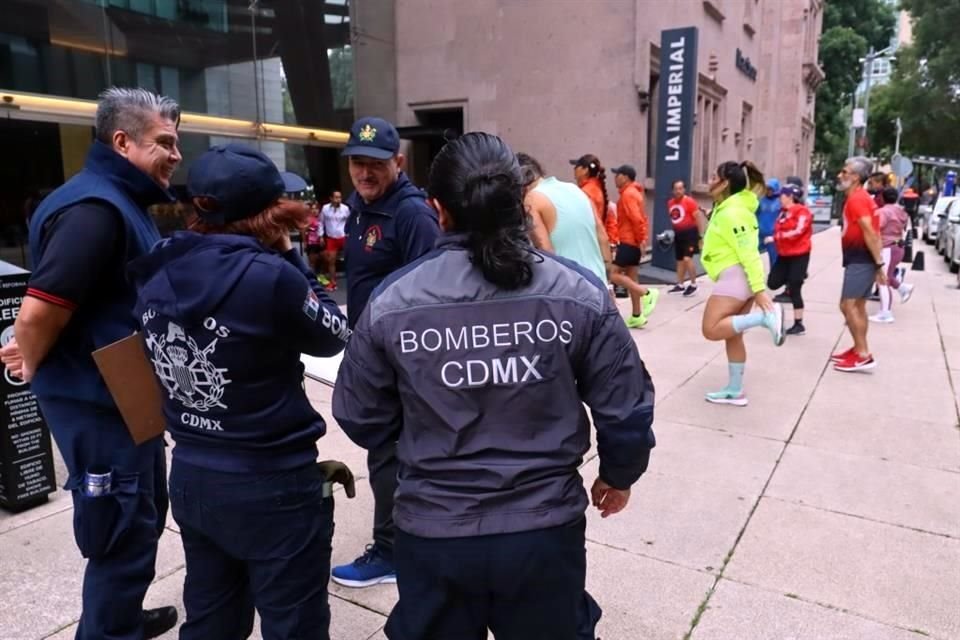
<point x="100" y="521"/>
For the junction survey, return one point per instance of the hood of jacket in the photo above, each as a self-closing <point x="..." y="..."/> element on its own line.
<point x="189" y="274"/>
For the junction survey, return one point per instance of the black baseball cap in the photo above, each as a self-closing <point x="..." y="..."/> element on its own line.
<point x="236" y="182"/>
<point x="373" y="138"/>
<point x="626" y="170"/>
<point x="586" y="161"/>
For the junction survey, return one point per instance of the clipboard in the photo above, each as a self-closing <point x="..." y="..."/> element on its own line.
<point x="130" y="378"/>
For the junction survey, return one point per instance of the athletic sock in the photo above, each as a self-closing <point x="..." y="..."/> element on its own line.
<point x="735" y="373"/>
<point x="747" y="321"/>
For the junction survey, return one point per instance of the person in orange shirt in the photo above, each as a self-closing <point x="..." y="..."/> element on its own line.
<point x="634" y="232"/>
<point x="591" y="177"/>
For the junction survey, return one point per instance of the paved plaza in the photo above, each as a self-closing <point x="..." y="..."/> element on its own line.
<point x="829" y="509"/>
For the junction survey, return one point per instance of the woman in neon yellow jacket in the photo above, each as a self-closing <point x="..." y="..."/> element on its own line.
<point x="732" y="260"/>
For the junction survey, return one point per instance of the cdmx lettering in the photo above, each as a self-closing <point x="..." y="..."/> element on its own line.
<point x="498" y="370"/>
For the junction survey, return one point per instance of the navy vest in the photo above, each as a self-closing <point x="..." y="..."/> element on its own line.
<point x="69" y="371"/>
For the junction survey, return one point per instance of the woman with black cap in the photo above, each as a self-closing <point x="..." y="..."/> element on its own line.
<point x="477" y="360"/>
<point x="227" y="308"/>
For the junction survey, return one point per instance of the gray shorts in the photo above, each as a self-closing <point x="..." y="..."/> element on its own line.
<point x="858" y="280"/>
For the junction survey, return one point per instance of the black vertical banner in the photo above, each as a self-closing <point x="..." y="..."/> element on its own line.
<point x="676" y="108"/>
<point x="26" y="454"/>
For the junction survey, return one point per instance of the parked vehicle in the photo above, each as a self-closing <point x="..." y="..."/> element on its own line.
<point x="820" y="206"/>
<point x="931" y="225"/>
<point x="950" y="238"/>
<point x="952" y="213"/>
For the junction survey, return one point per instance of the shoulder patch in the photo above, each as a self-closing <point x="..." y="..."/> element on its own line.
<point x="311" y="305"/>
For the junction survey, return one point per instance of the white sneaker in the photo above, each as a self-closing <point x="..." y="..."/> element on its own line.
<point x="774" y="323"/>
<point x="905" y="291"/>
<point x="884" y="317"/>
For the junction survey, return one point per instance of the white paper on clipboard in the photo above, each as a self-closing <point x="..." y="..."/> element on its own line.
<point x="323" y="370"/>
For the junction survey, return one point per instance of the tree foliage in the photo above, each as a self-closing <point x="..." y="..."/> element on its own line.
<point x="925" y="89"/>
<point x="850" y="28"/>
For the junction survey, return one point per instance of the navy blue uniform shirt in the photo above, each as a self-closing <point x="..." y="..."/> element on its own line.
<point x="225" y="320"/>
<point x="383" y="236"/>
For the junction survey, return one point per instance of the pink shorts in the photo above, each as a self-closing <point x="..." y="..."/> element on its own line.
<point x="732" y="283"/>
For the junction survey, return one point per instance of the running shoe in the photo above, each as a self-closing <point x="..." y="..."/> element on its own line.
<point x="677" y="288"/>
<point x="774" y="322"/>
<point x="650" y="302"/>
<point x="797" y="329"/>
<point x="331" y="285"/>
<point x="690" y="291"/>
<point x="736" y="398"/>
<point x="855" y="362"/>
<point x="884" y="317"/>
<point x="906" y="292"/>
<point x="843" y="355"/>
<point x="783" y="298"/>
<point x="322" y="279"/>
<point x="636" y="322"/>
<point x="370" y="569"/>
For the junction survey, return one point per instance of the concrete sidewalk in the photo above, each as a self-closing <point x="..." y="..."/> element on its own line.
<point x="827" y="509"/>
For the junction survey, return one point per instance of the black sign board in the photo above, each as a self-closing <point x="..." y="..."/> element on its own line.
<point x="678" y="93"/>
<point x="26" y="456"/>
<point x="746" y="67"/>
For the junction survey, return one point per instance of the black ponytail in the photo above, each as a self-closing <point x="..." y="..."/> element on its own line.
<point x="595" y="169"/>
<point x="742" y="175"/>
<point x="477" y="180"/>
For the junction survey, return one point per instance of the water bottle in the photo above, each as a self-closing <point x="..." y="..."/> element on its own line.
<point x="97" y="481"/>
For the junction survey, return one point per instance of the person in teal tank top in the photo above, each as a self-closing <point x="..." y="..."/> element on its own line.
<point x="563" y="220"/>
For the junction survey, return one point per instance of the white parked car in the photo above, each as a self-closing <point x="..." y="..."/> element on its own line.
<point x="950" y="238"/>
<point x="932" y="221"/>
<point x="951" y="213"/>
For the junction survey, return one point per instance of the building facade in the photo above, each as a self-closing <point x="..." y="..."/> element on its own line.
<point x="560" y="78"/>
<point x="266" y="72"/>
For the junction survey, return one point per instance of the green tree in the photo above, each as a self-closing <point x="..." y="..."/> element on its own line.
<point x="850" y="28"/>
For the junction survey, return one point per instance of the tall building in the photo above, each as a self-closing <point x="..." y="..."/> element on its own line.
<point x="560" y="78"/>
<point x="274" y="73"/>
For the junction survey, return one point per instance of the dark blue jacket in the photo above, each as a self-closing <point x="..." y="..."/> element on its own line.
<point x="384" y="235"/>
<point x="484" y="389"/>
<point x="68" y="371"/>
<point x="768" y="212"/>
<point x="225" y="321"/>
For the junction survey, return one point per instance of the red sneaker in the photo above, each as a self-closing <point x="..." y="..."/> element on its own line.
<point x="855" y="362"/>
<point x="843" y="355"/>
<point x="331" y="286"/>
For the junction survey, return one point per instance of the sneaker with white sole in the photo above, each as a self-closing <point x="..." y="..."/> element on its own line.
<point x="369" y="569"/>
<point x="774" y="322"/>
<point x="855" y="363"/>
<point x="884" y="317"/>
<point x="725" y="396"/>
<point x="677" y="288"/>
<point x="906" y="292"/>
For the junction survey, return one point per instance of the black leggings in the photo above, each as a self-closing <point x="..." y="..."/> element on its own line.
<point x="790" y="271"/>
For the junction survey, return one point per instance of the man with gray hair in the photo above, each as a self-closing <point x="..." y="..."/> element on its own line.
<point x="862" y="262"/>
<point x="78" y="300"/>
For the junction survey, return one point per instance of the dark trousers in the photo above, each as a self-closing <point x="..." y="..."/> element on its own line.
<point x="790" y="271"/>
<point x="522" y="586"/>
<point x="253" y="540"/>
<point x="383" y="466"/>
<point x="117" y="532"/>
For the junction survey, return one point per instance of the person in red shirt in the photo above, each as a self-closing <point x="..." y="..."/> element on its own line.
<point x="688" y="226"/>
<point x="792" y="236"/>
<point x="634" y="232"/>
<point x="862" y="261"/>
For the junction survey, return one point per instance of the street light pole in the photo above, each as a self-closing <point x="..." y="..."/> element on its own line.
<point x="866" y="97"/>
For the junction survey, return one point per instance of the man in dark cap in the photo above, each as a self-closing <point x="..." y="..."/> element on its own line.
<point x="390" y="226"/>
